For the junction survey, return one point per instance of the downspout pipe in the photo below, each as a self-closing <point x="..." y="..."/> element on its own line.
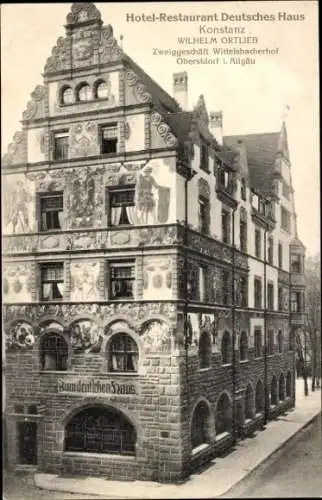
<point x="266" y="392"/>
<point x="233" y="308"/>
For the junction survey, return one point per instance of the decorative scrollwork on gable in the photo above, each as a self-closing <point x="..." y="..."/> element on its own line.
<point x="35" y="107"/>
<point x="163" y="129"/>
<point x="83" y="12"/>
<point x="140" y="92"/>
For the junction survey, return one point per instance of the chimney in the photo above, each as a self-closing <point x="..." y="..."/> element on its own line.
<point x="215" y="125"/>
<point x="180" y="89"/>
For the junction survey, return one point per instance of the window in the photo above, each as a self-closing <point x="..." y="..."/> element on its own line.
<point x="222" y="178"/>
<point x="225" y="226"/>
<point x="280" y="255"/>
<point x="61" y="146"/>
<point x="280" y="298"/>
<point x="225" y="287"/>
<point x="259" y="397"/>
<point x="121" y="206"/>
<point x="19" y="409"/>
<point x="270" y="251"/>
<point x="257" y="293"/>
<point x="200" y="425"/>
<point x="204" y="215"/>
<point x="285" y="219"/>
<point x="296" y="266"/>
<point x="202" y="284"/>
<point x="286" y="190"/>
<point x="84" y="93"/>
<point x="280" y="341"/>
<point x="243" y="191"/>
<point x="123" y="354"/>
<point x="204" y="350"/>
<point x="32" y="410"/>
<point x="296" y="302"/>
<point x="204" y="157"/>
<point x="53" y="352"/>
<point x="241" y="292"/>
<point x="52" y="281"/>
<point x="226" y="348"/>
<point x="67" y="96"/>
<point x="243" y="235"/>
<point x="270" y="296"/>
<point x="274" y="391"/>
<point x="270" y="342"/>
<point x="102" y="90"/>
<point x="281" y="387"/>
<point x="223" y="415"/>
<point x="100" y="430"/>
<point x="290" y="340"/>
<point x="258" y="243"/>
<point x="51" y="211"/>
<point x="243" y="346"/>
<point x="288" y="385"/>
<point x="121" y="280"/>
<point x="249" y="405"/>
<point x="109" y="138"/>
<point x="258" y="343"/>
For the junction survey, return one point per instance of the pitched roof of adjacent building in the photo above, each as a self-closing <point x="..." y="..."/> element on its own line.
<point x="261" y="151"/>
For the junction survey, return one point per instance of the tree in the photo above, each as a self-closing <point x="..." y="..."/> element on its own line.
<point x="313" y="310"/>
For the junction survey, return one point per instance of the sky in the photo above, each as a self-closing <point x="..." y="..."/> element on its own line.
<point x="252" y="97"/>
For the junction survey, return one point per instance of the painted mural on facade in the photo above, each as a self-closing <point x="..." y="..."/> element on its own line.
<point x="17" y="282"/>
<point x="18" y="204"/>
<point x="157" y="278"/>
<point x="84" y="281"/>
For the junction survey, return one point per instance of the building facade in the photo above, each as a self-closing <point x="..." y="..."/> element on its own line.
<point x="153" y="278"/>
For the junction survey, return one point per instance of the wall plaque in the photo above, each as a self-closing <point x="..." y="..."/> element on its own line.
<point x="97" y="387"/>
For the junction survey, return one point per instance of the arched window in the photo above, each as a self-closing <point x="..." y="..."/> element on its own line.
<point x="280" y="341"/>
<point x="274" y="391"/>
<point x="100" y="430"/>
<point x="223" y="414"/>
<point x="84" y="92"/>
<point x="249" y="402"/>
<point x="281" y="387"/>
<point x="102" y="90"/>
<point x="226" y="349"/>
<point x="204" y="350"/>
<point x="243" y="346"/>
<point x="288" y="385"/>
<point x="67" y="95"/>
<point x="123" y="354"/>
<point x="53" y="352"/>
<point x="200" y="427"/>
<point x="259" y="403"/>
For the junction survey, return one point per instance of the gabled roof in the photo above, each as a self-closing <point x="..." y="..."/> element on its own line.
<point x="261" y="150"/>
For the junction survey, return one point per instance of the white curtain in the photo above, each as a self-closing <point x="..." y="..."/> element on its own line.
<point x="135" y="362"/>
<point x="61" y="219"/>
<point x="44" y="221"/>
<point x="46" y="291"/>
<point x="50" y="362"/>
<point x="116" y="215"/>
<point x="114" y="362"/>
<point x="60" y="287"/>
<point x="131" y="215"/>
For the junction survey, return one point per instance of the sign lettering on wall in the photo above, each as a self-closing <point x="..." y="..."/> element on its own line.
<point x="97" y="387"/>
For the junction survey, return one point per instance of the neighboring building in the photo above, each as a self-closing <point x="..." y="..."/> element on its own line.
<point x="146" y="269"/>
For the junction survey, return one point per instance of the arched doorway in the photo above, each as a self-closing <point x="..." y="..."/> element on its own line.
<point x="274" y="399"/>
<point x="100" y="429"/>
<point x="249" y="402"/>
<point x="259" y="404"/>
<point x="201" y="425"/>
<point x="281" y="387"/>
<point x="223" y="414"/>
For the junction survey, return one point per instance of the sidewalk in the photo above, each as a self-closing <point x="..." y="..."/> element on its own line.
<point x="221" y="475"/>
